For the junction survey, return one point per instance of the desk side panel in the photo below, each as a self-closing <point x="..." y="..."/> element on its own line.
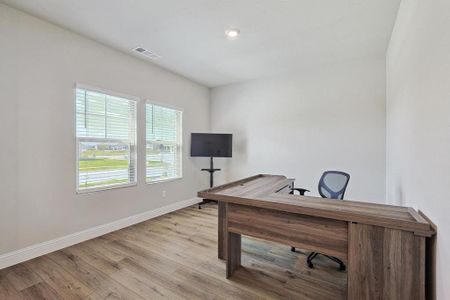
<point x="385" y="263"/>
<point x="326" y="236"/>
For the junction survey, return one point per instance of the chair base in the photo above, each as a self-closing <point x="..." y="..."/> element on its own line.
<point x="313" y="255"/>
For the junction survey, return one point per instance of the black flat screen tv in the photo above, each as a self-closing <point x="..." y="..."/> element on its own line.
<point x="211" y="144"/>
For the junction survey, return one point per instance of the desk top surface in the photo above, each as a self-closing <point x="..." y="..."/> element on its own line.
<point x="261" y="191"/>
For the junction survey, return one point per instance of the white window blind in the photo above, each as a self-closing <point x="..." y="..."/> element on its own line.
<point x="106" y="140"/>
<point x="163" y="139"/>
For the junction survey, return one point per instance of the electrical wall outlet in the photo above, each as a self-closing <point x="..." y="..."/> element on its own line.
<point x="164" y="194"/>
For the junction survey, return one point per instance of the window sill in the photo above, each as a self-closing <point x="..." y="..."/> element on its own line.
<point x="164" y="180"/>
<point x="105" y="188"/>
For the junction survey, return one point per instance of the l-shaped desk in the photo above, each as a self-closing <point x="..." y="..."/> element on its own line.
<point x="385" y="246"/>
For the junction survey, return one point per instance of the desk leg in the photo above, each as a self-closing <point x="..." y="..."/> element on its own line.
<point x="222" y="236"/>
<point x="234" y="253"/>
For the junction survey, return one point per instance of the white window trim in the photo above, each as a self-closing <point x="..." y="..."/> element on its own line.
<point x="180" y="125"/>
<point x="77" y="139"/>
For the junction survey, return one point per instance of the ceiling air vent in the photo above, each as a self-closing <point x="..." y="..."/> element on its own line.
<point x="147" y="53"/>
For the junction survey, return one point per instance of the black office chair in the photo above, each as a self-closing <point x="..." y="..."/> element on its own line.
<point x="332" y="185"/>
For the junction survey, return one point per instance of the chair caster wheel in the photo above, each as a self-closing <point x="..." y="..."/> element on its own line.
<point x="310" y="265"/>
<point x="293" y="249"/>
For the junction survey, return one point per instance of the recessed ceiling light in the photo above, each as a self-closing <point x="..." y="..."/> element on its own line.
<point x="232" y="33"/>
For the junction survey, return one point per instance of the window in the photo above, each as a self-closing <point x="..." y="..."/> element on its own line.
<point x="163" y="139"/>
<point x="106" y="140"/>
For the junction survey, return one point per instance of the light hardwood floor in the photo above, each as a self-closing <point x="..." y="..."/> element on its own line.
<point x="174" y="257"/>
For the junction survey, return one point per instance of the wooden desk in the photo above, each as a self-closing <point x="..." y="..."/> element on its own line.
<point x="383" y="246"/>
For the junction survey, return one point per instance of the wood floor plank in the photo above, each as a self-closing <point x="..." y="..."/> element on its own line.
<point x="147" y="289"/>
<point x="101" y="245"/>
<point x="95" y="258"/>
<point x="171" y="257"/>
<point x="21" y="277"/>
<point x="7" y="290"/>
<point x="94" y="296"/>
<point x="173" y="283"/>
<point x="65" y="284"/>
<point x="95" y="279"/>
<point x="40" y="291"/>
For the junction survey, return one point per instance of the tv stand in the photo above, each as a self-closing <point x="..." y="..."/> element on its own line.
<point x="211" y="171"/>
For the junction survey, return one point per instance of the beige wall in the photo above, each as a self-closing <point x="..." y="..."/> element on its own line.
<point x="418" y="119"/>
<point x="299" y="125"/>
<point x="39" y="65"/>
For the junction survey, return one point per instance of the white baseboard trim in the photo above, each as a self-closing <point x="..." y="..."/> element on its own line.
<point x="24" y="254"/>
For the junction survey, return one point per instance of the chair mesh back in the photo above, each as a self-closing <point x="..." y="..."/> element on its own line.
<point x="333" y="184"/>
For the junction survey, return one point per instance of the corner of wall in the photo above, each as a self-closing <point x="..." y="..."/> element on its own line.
<point x="210" y="90"/>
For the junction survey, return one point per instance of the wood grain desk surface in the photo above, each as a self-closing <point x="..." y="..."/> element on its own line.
<point x="261" y="191"/>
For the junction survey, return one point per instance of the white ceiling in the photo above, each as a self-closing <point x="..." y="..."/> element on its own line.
<point x="276" y="35"/>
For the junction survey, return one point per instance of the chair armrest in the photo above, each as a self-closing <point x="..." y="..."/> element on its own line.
<point x="300" y="191"/>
